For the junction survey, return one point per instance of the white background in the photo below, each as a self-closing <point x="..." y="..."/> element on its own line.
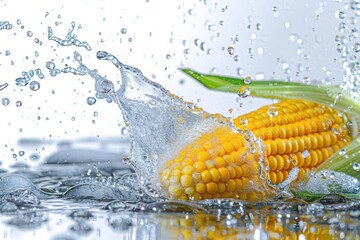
<point x="160" y="38"/>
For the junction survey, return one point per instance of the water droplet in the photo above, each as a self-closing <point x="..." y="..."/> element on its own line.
<point x="124" y="131"/>
<point x="275" y="11"/>
<point x="91" y="100"/>
<point x="342" y="152"/>
<point x="203" y="46"/>
<point x="236" y="58"/>
<point x="18" y="103"/>
<point x="305" y="154"/>
<point x="293" y="37"/>
<point x="7" y="53"/>
<point x="34" y="85"/>
<point x="29" y="33"/>
<point x="95" y="114"/>
<point x="260" y="51"/>
<point x="356" y="47"/>
<point x="272" y="111"/>
<point x="5" y="101"/>
<point x="213" y="70"/>
<point x="73" y="119"/>
<point x="260" y="76"/>
<point x="231" y="50"/>
<point x="287" y="24"/>
<point x="244" y="92"/>
<point x="212" y="27"/>
<point x="168" y="56"/>
<point x="21" y="153"/>
<point x="340" y="14"/>
<point x="239" y="71"/>
<point x="356" y="166"/>
<point x="247" y="80"/>
<point x="258" y="26"/>
<point x="123" y="30"/>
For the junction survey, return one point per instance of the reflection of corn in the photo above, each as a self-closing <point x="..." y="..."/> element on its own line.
<point x="203" y="226"/>
<point x="218" y="164"/>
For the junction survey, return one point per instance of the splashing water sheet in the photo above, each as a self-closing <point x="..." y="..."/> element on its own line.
<point x="79" y="161"/>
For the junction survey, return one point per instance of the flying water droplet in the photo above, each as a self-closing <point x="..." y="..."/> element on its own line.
<point x="5" y="101"/>
<point x="34" y="85"/>
<point x="91" y="100"/>
<point x="123" y="30"/>
<point x="231" y="50"/>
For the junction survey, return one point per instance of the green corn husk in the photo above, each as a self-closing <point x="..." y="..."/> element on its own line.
<point x="346" y="160"/>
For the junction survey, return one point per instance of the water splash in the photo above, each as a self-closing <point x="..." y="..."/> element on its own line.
<point x="5" y="25"/>
<point x="27" y="76"/>
<point x="3" y="86"/>
<point x="160" y="123"/>
<point x="70" y="39"/>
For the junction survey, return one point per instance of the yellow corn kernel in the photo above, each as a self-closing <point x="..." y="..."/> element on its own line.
<point x="206" y="176"/>
<point x="200" y="188"/>
<point x="220" y="162"/>
<point x="185" y="180"/>
<point x="211" y="187"/>
<point x="215" y="175"/>
<point x="224" y="174"/>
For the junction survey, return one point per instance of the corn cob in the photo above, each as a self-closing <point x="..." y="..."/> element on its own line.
<point x="295" y="133"/>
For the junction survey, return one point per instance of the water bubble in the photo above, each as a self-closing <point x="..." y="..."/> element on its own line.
<point x="168" y="56"/>
<point x="73" y="119"/>
<point x="123" y="30"/>
<point x="7" y="53"/>
<point x="305" y="154"/>
<point x="95" y="114"/>
<point x="21" y="153"/>
<point x="29" y="33"/>
<point x="34" y="85"/>
<point x="18" y="22"/>
<point x="91" y="100"/>
<point x="356" y="166"/>
<point x="287" y="24"/>
<point x="231" y="50"/>
<point x="18" y="103"/>
<point x="5" y="101"/>
<point x="236" y="58"/>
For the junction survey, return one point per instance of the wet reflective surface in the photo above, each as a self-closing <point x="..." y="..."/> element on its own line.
<point x="88" y="193"/>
